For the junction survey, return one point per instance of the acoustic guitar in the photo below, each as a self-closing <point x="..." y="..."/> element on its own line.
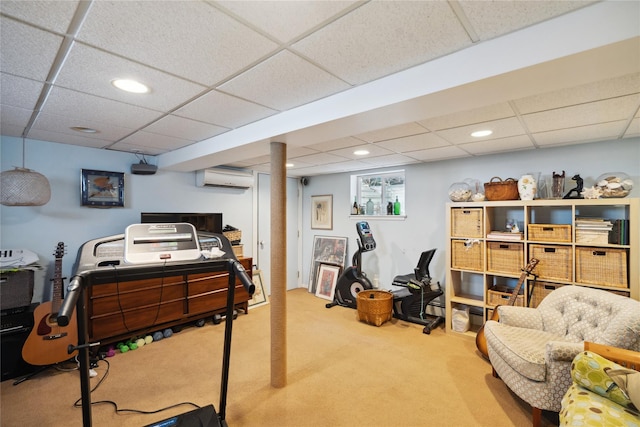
<point x="48" y="342"/>
<point x="481" y="340"/>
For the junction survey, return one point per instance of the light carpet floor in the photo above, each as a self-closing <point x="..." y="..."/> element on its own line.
<point x="340" y="372"/>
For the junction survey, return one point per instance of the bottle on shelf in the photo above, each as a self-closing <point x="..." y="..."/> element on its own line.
<point x="389" y="208"/>
<point x="396" y="207"/>
<point x="354" y="208"/>
<point x="369" y="207"/>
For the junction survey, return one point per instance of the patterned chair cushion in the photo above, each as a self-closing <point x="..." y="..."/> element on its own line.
<point x="581" y="407"/>
<point x="523" y="349"/>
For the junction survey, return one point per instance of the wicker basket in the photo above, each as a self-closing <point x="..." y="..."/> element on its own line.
<point x="374" y="307"/>
<point x="503" y="257"/>
<point x="556" y="261"/>
<point x="466" y="222"/>
<point x="601" y="266"/>
<point x="234" y="236"/>
<point x="549" y="232"/>
<point x="501" y="296"/>
<point x="501" y="190"/>
<point x="467" y="255"/>
<point x="541" y="290"/>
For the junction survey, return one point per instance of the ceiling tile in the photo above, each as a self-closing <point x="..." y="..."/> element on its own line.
<point x="179" y="127"/>
<point x="132" y="148"/>
<point x="634" y="128"/>
<point x="224" y="110"/>
<point x="51" y="15"/>
<point x="26" y="51"/>
<point x="148" y="139"/>
<point x="604" y="89"/>
<point x="501" y="129"/>
<point x="390" y="160"/>
<point x="440" y="153"/>
<point x="81" y="107"/>
<point x="492" y="19"/>
<point x="64" y="138"/>
<point x="293" y="152"/>
<point x="374" y="151"/>
<point x="19" y="92"/>
<point x="190" y="39"/>
<point x="393" y="132"/>
<point x="513" y="143"/>
<point x="284" y="81"/>
<point x="63" y="124"/>
<point x="462" y="118"/>
<point x="413" y="143"/>
<point x="92" y="71"/>
<point x="286" y="20"/>
<point x="321" y="159"/>
<point x="383" y="37"/>
<point x="14" y="116"/>
<point x="597" y="132"/>
<point x="580" y="115"/>
<point x="336" y="144"/>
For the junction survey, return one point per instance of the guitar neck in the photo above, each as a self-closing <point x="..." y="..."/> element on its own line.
<point x="56" y="299"/>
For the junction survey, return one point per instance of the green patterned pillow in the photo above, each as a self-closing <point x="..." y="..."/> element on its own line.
<point x="589" y="370"/>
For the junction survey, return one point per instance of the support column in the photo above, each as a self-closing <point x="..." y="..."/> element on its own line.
<point x="278" y="265"/>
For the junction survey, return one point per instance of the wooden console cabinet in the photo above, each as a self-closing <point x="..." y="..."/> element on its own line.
<point x="122" y="310"/>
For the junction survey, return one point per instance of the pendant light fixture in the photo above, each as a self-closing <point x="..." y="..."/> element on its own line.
<point x="24" y="187"/>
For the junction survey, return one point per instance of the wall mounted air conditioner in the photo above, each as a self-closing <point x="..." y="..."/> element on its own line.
<point x="221" y="177"/>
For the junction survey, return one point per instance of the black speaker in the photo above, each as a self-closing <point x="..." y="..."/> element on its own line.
<point x="13" y="365"/>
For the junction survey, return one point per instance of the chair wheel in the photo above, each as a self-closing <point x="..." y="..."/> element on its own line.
<point x="426" y="330"/>
<point x="217" y="319"/>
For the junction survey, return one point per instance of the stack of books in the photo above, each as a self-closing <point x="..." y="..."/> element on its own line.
<point x="504" y="235"/>
<point x="593" y="230"/>
<point x="619" y="234"/>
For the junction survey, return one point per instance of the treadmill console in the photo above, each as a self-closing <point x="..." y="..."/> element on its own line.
<point x="364" y="232"/>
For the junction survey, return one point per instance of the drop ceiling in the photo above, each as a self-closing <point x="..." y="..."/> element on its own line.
<point x="406" y="80"/>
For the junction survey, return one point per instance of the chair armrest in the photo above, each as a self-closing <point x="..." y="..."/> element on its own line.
<point x="521" y="317"/>
<point x="562" y="351"/>
<point x="627" y="358"/>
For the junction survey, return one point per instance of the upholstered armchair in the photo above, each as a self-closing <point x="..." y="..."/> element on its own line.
<point x="531" y="349"/>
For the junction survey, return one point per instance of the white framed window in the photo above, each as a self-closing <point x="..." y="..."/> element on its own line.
<point x="378" y="194"/>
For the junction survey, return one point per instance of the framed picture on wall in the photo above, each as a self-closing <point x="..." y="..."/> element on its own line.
<point x="322" y="212"/>
<point x="326" y="250"/>
<point x="327" y="279"/>
<point x="259" y="297"/>
<point x="101" y="188"/>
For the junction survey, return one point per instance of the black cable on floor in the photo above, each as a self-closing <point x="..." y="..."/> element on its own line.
<point x="78" y="403"/>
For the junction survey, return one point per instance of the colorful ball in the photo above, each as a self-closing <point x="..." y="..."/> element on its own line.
<point x="167" y="333"/>
<point x="148" y="339"/>
<point x="157" y="336"/>
<point x="140" y="342"/>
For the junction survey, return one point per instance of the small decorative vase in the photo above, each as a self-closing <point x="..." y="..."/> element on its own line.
<point x="527" y="187"/>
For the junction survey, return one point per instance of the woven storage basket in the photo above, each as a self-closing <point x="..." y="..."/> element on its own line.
<point x="501" y="190"/>
<point x="556" y="262"/>
<point x="503" y="257"/>
<point x="541" y="290"/>
<point x="234" y="236"/>
<point x="549" y="232"/>
<point x="466" y="222"/>
<point x="467" y="255"/>
<point x="601" y="266"/>
<point x="374" y="307"/>
<point x="501" y="296"/>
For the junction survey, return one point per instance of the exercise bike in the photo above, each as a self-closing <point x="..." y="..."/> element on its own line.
<point x="410" y="303"/>
<point x="353" y="279"/>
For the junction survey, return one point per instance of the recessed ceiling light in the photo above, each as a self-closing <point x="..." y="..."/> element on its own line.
<point x="83" y="129"/>
<point x="289" y="165"/>
<point x="130" y="86"/>
<point x="481" y="133"/>
<point x="361" y="152"/>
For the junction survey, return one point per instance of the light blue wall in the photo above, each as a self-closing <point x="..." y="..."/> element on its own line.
<point x="399" y="243"/>
<point x="39" y="229"/>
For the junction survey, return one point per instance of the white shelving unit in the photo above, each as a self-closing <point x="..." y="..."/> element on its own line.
<point x="477" y="264"/>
